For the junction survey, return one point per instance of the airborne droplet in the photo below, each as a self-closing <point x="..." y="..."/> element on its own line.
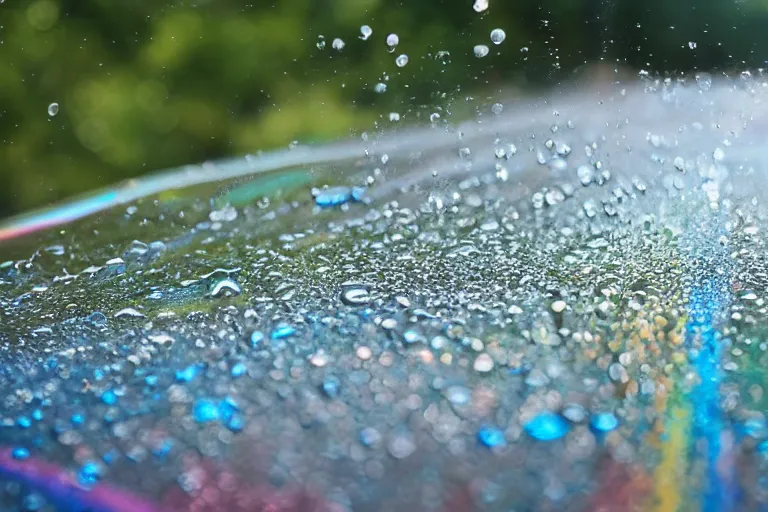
<point x="481" y="51"/>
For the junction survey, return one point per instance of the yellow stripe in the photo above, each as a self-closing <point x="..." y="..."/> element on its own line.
<point x="670" y="473"/>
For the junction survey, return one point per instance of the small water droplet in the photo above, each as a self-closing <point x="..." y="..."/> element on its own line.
<point x="355" y="295"/>
<point x="392" y="41"/>
<point x="365" y="32"/>
<point x="282" y="331"/>
<point x="256" y="338"/>
<point x="53" y="109"/>
<point x="401" y="445"/>
<point x="380" y="88"/>
<point x="401" y="60"/>
<point x="226" y="287"/>
<point x="692" y="45"/>
<point x="128" y="313"/>
<point x="491" y="437"/>
<point x="604" y="421"/>
<point x="338" y="44"/>
<point x="320" y="42"/>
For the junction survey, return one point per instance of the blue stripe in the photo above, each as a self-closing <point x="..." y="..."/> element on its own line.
<point x="705" y="302"/>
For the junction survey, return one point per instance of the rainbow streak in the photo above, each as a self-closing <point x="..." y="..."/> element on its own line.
<point x="705" y="301"/>
<point x="671" y="471"/>
<point x="64" y="493"/>
<point x="182" y="177"/>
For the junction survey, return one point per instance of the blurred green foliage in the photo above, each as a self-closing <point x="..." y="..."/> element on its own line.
<point x="149" y="84"/>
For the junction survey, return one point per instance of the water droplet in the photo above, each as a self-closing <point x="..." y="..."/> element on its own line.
<point x="604" y="421"/>
<point x="331" y="386"/>
<point x="692" y="45"/>
<point x="574" y="413"/>
<point x="109" y="397"/>
<point x="497" y="108"/>
<point x="369" y="437"/>
<point x="585" y="174"/>
<point x="483" y="363"/>
<point x="205" y="411"/>
<point x="704" y="80"/>
<point x="480" y="5"/>
<point x="559" y="306"/>
<point x="394" y="117"/>
<point x="256" y="338"/>
<point x="481" y="51"/>
<point x="129" y="313"/>
<point x="189" y="373"/>
<point x="401" y="60"/>
<point x="365" y="32"/>
<point x="333" y="196"/>
<point x="389" y="324"/>
<point x="355" y="295"/>
<point x="392" y="41"/>
<point x="401" y="445"/>
<point x="226" y="287"/>
<point x="20" y="453"/>
<point x="491" y="437"/>
<point x="89" y="474"/>
<point x="498" y="36"/>
<point x="320" y="42"/>
<point x="282" y="331"/>
<point x="53" y="109"/>
<point x="547" y="426"/>
<point x="238" y="370"/>
<point x="338" y="44"/>
<point x="412" y="337"/>
<point x="380" y="88"/>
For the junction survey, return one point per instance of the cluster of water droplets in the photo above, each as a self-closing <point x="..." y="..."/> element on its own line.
<point x="531" y="297"/>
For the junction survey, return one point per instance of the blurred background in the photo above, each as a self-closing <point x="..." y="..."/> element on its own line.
<point x="95" y="91"/>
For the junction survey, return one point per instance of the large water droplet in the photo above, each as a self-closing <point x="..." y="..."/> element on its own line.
<point x="498" y="36"/>
<point x="401" y="60"/>
<point x="53" y="109"/>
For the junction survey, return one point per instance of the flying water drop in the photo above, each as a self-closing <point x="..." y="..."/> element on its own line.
<point x="481" y="51"/>
<point x="338" y="44"/>
<point x="498" y="36"/>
